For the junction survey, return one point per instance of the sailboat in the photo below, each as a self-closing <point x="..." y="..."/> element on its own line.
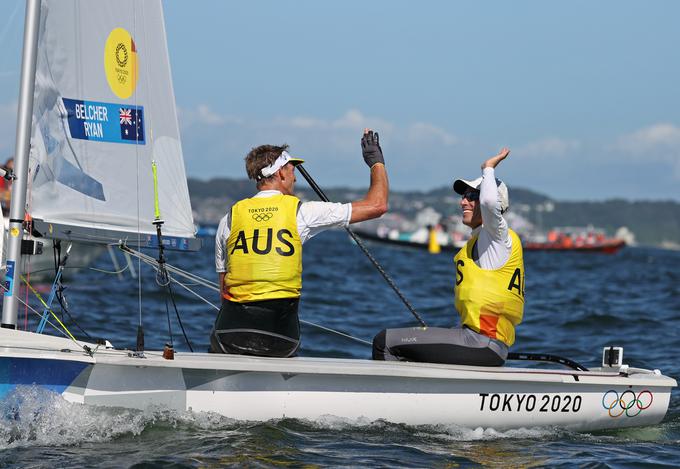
<point x="97" y="112"/>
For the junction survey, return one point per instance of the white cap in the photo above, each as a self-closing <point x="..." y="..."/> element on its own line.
<point x="461" y="185"/>
<point x="280" y="162"/>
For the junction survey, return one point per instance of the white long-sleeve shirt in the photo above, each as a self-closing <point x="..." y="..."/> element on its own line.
<point x="494" y="244"/>
<point x="312" y="219"/>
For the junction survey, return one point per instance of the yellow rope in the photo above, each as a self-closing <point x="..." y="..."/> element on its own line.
<point x="48" y="308"/>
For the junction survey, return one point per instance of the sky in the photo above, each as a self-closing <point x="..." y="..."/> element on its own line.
<point x="585" y="94"/>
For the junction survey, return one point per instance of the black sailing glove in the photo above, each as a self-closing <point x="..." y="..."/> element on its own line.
<point x="370" y="148"/>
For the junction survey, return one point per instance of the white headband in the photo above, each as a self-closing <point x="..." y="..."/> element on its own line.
<point x="280" y="162"/>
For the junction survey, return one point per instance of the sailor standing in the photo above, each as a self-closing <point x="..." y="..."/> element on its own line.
<point x="489" y="286"/>
<point x="258" y="250"/>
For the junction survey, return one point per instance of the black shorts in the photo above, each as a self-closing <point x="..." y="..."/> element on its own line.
<point x="268" y="328"/>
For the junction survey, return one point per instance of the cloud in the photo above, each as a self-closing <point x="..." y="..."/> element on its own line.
<point x="342" y="131"/>
<point x="421" y="131"/>
<point x="203" y="115"/>
<point x="214" y="143"/>
<point x="305" y="123"/>
<point x="658" y="143"/>
<point x="422" y="155"/>
<point x="655" y="137"/>
<point x="548" y="147"/>
<point x="352" y="120"/>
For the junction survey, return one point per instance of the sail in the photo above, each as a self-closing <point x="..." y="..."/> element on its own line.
<point x="104" y="110"/>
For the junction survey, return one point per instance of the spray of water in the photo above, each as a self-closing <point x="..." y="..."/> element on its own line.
<point x="34" y="416"/>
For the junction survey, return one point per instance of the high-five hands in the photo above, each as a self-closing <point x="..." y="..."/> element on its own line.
<point x="494" y="160"/>
<point x="370" y="148"/>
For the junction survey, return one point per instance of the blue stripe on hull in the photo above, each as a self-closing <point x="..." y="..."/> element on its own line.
<point x="55" y="375"/>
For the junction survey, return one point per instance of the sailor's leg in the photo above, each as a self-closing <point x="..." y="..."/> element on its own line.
<point x="215" y="342"/>
<point x="265" y="328"/>
<point x="459" y="346"/>
<point x="380" y="349"/>
<point x="386" y="343"/>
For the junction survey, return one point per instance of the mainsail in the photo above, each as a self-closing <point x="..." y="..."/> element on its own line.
<point x="104" y="110"/>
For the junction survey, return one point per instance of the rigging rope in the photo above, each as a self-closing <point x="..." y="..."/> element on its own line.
<point x="74" y="267"/>
<point x="213" y="286"/>
<point x="47" y="307"/>
<point x="179" y="319"/>
<point x="63" y="332"/>
<point x="364" y="249"/>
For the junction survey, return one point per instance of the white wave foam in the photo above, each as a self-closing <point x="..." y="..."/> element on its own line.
<point x="444" y="432"/>
<point x="31" y="415"/>
<point x="458" y="433"/>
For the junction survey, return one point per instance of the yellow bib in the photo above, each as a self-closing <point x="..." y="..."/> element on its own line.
<point x="264" y="251"/>
<point x="491" y="302"/>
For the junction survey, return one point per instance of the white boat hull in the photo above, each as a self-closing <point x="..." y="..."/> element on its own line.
<point x="258" y="389"/>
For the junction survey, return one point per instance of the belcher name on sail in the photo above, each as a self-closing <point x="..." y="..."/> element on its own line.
<point x="91" y="112"/>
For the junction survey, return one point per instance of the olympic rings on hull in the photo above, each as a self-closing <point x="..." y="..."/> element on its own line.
<point x="628" y="402"/>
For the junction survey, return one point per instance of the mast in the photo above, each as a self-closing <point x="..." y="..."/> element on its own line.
<point x="23" y="141"/>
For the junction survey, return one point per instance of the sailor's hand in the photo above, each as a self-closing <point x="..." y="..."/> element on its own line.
<point x="370" y="148"/>
<point x="494" y="160"/>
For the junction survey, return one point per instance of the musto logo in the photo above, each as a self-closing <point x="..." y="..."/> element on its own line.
<point x="628" y="402"/>
<point x="262" y="216"/>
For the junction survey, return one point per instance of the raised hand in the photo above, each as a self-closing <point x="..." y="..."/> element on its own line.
<point x="494" y="160"/>
<point x="370" y="148"/>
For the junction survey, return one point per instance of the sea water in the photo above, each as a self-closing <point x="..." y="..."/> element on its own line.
<point x="576" y="304"/>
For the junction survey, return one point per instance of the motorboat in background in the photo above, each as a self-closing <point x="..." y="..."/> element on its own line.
<point x="572" y="239"/>
<point x="438" y="238"/>
<point x="431" y="238"/>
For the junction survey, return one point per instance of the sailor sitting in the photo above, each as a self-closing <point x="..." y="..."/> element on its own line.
<point x="258" y="250"/>
<point x="489" y="286"/>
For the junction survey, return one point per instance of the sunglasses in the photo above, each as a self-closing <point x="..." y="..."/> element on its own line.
<point x="471" y="195"/>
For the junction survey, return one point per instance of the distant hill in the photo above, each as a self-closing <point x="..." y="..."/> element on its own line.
<point x="654" y="223"/>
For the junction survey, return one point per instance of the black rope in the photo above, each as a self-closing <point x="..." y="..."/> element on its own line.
<point x="163" y="280"/>
<point x="361" y="245"/>
<point x="179" y="319"/>
<point x="544" y="357"/>
<point x="60" y="262"/>
<point x="64" y="309"/>
<point x="56" y="255"/>
<point x="167" y="313"/>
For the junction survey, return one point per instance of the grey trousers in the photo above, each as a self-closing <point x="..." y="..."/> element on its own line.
<point x="456" y="346"/>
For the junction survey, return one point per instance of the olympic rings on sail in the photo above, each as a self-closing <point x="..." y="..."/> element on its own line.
<point x="262" y="216"/>
<point x="628" y="402"/>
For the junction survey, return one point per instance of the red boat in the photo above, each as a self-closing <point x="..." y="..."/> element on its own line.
<point x="584" y="241"/>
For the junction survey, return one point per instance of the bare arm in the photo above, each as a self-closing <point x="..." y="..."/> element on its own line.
<point x="220" y="281"/>
<point x="375" y="202"/>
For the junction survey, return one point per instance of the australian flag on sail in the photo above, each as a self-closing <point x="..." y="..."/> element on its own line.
<point x="105" y="122"/>
<point x="131" y="125"/>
